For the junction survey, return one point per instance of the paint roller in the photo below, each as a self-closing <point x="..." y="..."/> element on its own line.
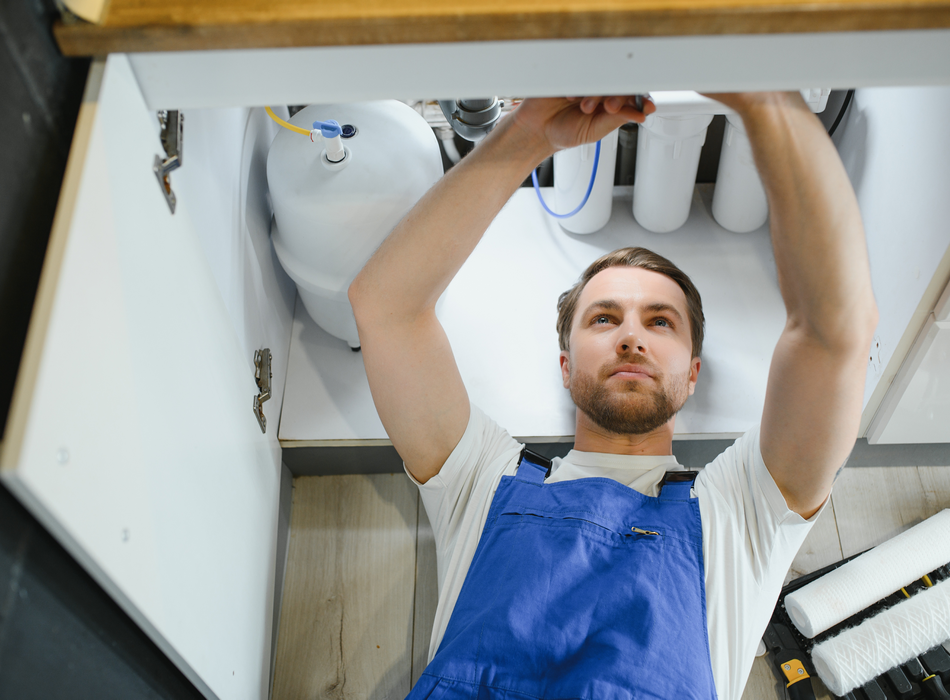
<point x="893" y="636"/>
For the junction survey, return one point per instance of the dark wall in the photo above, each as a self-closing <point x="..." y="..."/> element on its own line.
<point x="61" y="636"/>
<point x="41" y="94"/>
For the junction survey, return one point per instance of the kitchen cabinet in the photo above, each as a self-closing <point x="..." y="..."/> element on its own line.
<point x="132" y="435"/>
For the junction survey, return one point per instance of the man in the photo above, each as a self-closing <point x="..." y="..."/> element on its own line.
<point x="564" y="585"/>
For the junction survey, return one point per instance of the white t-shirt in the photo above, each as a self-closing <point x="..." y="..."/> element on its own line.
<point x="750" y="537"/>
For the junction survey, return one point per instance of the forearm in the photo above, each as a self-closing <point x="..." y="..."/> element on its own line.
<point x="415" y="264"/>
<point x="816" y="381"/>
<point x="817" y="233"/>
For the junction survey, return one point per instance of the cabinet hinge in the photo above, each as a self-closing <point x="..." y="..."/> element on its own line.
<point x="263" y="376"/>
<point x="172" y="122"/>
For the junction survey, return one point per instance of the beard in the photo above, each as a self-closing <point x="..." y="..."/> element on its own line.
<point x="631" y="408"/>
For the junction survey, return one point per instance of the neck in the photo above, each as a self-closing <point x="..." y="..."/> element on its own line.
<point x="590" y="437"/>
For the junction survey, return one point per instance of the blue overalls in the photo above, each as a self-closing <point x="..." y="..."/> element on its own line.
<point x="579" y="589"/>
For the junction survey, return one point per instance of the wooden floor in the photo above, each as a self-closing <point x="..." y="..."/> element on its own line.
<point x="360" y="588"/>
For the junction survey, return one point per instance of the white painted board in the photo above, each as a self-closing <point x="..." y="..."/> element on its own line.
<point x="500" y="312"/>
<point x="181" y="79"/>
<point x="135" y="443"/>
<point x="917" y="406"/>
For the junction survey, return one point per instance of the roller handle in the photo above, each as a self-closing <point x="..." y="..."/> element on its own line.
<point x="793" y="670"/>
<point x="934" y="688"/>
<point x="801" y="690"/>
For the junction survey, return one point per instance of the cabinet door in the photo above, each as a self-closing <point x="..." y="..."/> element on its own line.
<point x="917" y="406"/>
<point x="131" y="435"/>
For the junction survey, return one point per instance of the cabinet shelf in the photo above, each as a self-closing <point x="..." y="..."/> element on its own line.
<point x="178" y="25"/>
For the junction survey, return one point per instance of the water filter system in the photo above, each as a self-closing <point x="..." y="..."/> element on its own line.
<point x="342" y="176"/>
<point x="669" y="143"/>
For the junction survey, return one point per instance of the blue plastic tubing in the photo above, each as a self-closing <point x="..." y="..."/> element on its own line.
<point x="590" y="187"/>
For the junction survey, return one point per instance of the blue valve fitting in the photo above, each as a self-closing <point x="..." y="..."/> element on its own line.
<point x="329" y="128"/>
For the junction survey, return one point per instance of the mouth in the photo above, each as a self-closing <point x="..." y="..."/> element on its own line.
<point x="633" y="372"/>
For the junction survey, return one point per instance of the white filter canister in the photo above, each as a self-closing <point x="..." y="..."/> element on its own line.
<point x="572" y="171"/>
<point x="739" y="203"/>
<point x="668" y="151"/>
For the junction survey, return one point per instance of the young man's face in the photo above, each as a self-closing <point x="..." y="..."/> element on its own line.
<point x="630" y="366"/>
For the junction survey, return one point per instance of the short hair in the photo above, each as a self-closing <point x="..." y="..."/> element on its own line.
<point x="632" y="257"/>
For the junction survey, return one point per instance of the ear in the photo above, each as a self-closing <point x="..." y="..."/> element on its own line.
<point x="565" y="360"/>
<point x="694" y="367"/>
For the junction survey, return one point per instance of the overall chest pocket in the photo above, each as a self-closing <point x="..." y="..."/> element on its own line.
<point x="616" y="532"/>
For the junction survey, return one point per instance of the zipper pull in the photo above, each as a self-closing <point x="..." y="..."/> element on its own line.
<point x="644" y="532"/>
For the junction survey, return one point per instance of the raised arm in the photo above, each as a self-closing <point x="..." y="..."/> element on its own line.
<point x="412" y="373"/>
<point x="816" y="380"/>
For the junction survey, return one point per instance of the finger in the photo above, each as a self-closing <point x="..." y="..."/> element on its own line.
<point x="614" y="104"/>
<point x="589" y="104"/>
<point x="631" y="114"/>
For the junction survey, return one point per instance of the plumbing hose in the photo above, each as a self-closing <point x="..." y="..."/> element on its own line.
<point x="590" y="187"/>
<point x="286" y="125"/>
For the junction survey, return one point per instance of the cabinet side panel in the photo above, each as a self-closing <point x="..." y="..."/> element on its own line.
<point x="895" y="147"/>
<point x="139" y="449"/>
<point x="222" y="187"/>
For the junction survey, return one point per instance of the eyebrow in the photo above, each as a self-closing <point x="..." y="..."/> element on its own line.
<point x="603" y="304"/>
<point x="611" y="305"/>
<point x="660" y="307"/>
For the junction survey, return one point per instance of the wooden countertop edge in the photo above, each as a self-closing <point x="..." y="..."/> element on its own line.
<point x="77" y="38"/>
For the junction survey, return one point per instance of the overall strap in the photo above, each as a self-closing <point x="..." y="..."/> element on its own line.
<point x="676" y="485"/>
<point x="537" y="467"/>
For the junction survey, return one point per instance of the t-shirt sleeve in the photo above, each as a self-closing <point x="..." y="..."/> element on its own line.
<point x="750" y="538"/>
<point x="742" y="496"/>
<point x="457" y="499"/>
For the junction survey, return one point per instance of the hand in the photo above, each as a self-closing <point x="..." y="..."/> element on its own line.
<point x="554" y="124"/>
<point x="745" y="102"/>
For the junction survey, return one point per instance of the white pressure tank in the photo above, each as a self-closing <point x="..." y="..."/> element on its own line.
<point x="331" y="217"/>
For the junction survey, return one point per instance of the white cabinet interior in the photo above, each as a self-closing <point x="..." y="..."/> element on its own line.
<point x="132" y="437"/>
<point x="500" y="313"/>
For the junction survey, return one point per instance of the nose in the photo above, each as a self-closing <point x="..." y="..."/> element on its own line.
<point x="631" y="338"/>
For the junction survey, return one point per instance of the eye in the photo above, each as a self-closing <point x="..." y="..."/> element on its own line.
<point x="664" y="322"/>
<point x="602" y="319"/>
